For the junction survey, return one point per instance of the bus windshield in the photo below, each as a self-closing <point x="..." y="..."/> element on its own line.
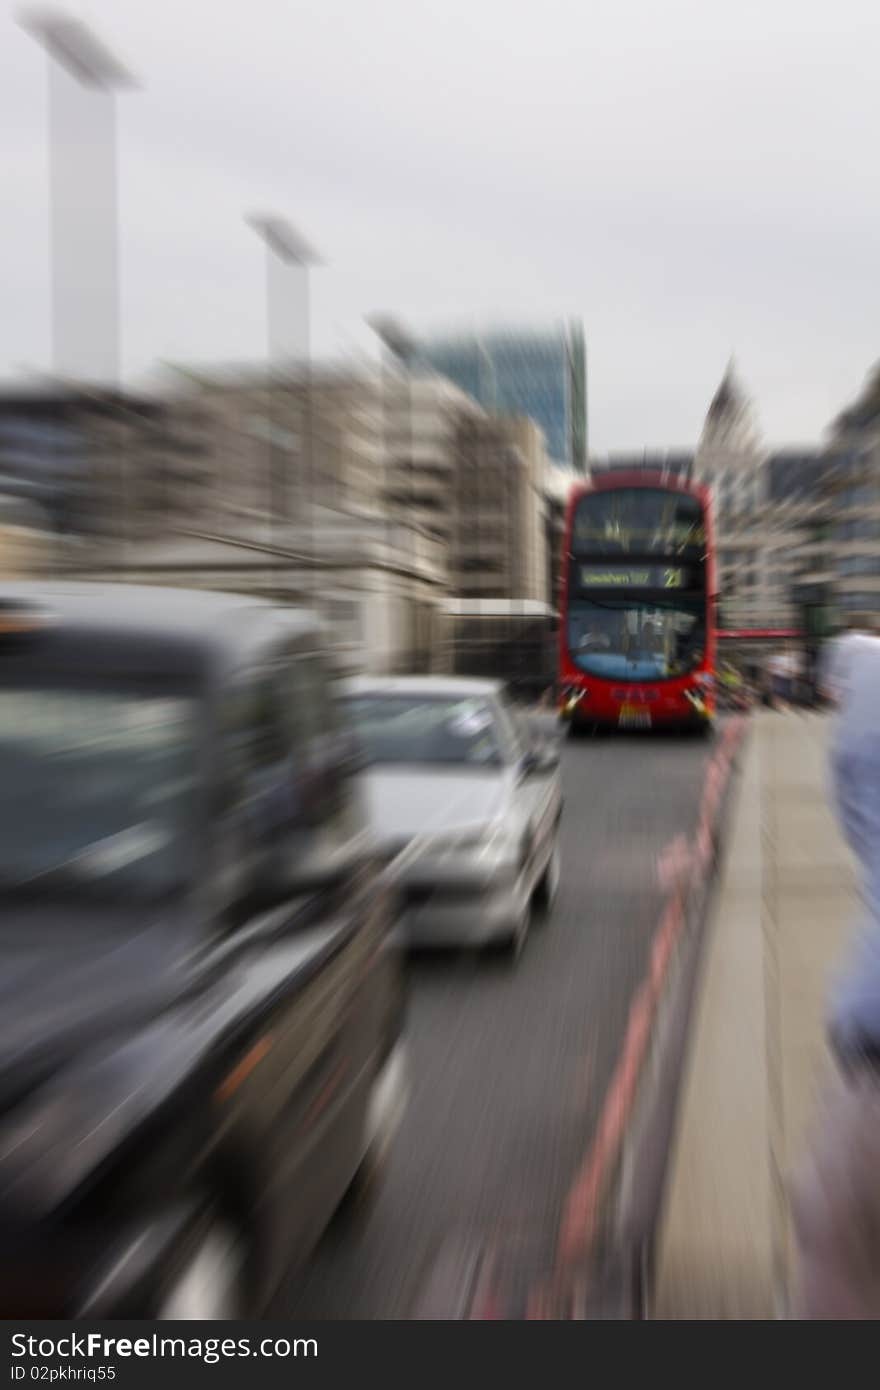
<point x="638" y="521"/>
<point x="636" y="639"/>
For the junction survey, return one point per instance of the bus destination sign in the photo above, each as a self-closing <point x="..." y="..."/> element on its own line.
<point x="632" y="577"/>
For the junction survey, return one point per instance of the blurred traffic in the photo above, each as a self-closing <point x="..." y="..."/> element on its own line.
<point x="455" y="770"/>
<point x="201" y="1008"/>
<point x="368" y="735"/>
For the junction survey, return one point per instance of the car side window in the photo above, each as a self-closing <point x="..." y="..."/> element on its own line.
<point x="247" y="773"/>
<point x="325" y="754"/>
<point x="287" y="804"/>
<point x="256" y="747"/>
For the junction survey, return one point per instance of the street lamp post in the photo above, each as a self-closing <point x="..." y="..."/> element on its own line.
<point x="289" y="258"/>
<point x="83" y="76"/>
<point x="84" y="231"/>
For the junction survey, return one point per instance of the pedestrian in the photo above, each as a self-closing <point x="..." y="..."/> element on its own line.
<point x="732" y="685"/>
<point x="811" y="675"/>
<point x="836" y="1194"/>
<point x="766" y="688"/>
<point x="836" y="659"/>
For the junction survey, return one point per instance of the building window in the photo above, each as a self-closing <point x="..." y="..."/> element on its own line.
<point x="864" y="530"/>
<point x="860" y="564"/>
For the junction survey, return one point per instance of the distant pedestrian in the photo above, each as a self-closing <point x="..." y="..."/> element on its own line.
<point x="780" y="679"/>
<point x="836" y="1198"/>
<point x="732" y="686"/>
<point x="765" y="686"/>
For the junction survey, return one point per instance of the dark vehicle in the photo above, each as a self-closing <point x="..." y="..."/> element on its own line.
<point x="201" y="1004"/>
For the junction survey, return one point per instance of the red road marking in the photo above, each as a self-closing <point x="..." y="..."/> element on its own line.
<point x="539" y="1307"/>
<point x="673" y="862"/>
<point x="487" y="1304"/>
<point x="580" y="1217"/>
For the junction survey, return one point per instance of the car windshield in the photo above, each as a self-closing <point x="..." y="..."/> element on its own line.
<point x="96" y="790"/>
<point x="448" y="731"/>
<point x="633" y="640"/>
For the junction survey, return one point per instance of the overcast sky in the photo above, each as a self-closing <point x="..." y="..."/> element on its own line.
<point x="691" y="178"/>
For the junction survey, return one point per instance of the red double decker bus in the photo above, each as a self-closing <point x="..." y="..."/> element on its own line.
<point x="637" y="612"/>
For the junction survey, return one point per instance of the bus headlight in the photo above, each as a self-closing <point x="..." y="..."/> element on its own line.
<point x="570" y="701"/>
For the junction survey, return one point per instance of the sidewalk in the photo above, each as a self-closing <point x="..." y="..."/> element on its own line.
<point x="785" y="906"/>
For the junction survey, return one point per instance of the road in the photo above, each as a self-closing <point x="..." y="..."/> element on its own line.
<point x="510" y="1065"/>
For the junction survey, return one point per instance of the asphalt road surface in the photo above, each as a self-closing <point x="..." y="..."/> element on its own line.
<point x="510" y="1064"/>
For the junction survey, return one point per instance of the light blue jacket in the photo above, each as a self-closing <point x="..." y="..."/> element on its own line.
<point x="855" y="773"/>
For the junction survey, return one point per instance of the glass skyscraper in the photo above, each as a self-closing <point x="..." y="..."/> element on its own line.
<point x="538" y="373"/>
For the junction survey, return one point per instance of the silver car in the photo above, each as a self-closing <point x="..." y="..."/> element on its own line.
<point x="465" y="799"/>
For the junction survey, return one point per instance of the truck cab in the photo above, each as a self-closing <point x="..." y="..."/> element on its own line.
<point x="202" y="1001"/>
